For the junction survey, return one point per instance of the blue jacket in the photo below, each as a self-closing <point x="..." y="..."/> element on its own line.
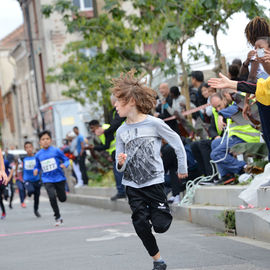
<point x="48" y="161"/>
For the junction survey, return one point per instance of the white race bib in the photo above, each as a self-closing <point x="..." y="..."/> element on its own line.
<point x="29" y="164"/>
<point x="48" y="165"/>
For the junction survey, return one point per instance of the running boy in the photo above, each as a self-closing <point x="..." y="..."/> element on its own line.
<point x="32" y="182"/>
<point x="138" y="143"/>
<point x="51" y="161"/>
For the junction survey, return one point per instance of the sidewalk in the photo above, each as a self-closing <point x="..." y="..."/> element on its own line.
<point x="211" y="205"/>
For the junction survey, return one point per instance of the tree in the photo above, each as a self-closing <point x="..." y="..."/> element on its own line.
<point x="118" y="39"/>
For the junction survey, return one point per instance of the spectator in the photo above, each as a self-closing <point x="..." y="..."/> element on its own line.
<point x="72" y="151"/>
<point x="170" y="167"/>
<point x="197" y="80"/>
<point x="178" y="101"/>
<point x="108" y="144"/>
<point x="207" y="92"/>
<point x="202" y="149"/>
<point x="162" y="108"/>
<point x="237" y="62"/>
<point x="80" y="154"/>
<point x="241" y="132"/>
<point x="234" y="72"/>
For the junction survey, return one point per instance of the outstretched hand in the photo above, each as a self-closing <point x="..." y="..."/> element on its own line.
<point x="222" y="82"/>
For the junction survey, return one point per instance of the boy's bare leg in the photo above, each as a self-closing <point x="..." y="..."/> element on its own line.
<point x="156" y="257"/>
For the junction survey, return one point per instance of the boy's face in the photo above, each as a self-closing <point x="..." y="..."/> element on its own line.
<point x="29" y="148"/>
<point x="124" y="109"/>
<point x="45" y="141"/>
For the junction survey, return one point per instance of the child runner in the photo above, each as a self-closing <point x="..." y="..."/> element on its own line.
<point x="32" y="182"/>
<point x="18" y="168"/>
<point x="138" y="143"/>
<point x="51" y="161"/>
<point x="4" y="179"/>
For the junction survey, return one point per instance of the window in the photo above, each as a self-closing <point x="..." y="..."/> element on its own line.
<point x="83" y="4"/>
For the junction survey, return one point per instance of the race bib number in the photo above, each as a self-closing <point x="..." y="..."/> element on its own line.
<point x="48" y="165"/>
<point x="29" y="164"/>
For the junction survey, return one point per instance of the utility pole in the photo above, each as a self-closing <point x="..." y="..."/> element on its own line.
<point x="25" y="7"/>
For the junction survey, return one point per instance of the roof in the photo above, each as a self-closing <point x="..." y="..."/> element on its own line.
<point x="9" y="41"/>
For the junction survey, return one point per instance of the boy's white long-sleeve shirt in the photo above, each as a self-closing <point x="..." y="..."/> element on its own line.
<point x="141" y="142"/>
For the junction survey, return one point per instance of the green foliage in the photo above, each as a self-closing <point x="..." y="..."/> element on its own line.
<point x="118" y="37"/>
<point x="228" y="217"/>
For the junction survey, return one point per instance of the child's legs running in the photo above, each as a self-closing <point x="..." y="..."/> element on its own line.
<point x="61" y="191"/>
<point x="50" y="188"/>
<point x="160" y="213"/>
<point x="21" y="188"/>
<point x="37" y="186"/>
<point x="140" y="219"/>
<point x="11" y="187"/>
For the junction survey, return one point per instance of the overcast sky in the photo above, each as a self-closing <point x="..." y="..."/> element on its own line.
<point x="10" y="16"/>
<point x="233" y="44"/>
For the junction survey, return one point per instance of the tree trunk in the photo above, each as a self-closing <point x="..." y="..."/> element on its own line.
<point x="218" y="53"/>
<point x="184" y="82"/>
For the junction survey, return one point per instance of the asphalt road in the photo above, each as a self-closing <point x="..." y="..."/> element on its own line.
<point x="98" y="239"/>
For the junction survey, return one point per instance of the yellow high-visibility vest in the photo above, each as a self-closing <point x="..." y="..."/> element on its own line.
<point x="215" y="114"/>
<point x="244" y="132"/>
<point x="103" y="140"/>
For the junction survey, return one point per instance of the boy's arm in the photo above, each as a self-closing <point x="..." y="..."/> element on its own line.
<point x="37" y="166"/>
<point x="175" y="142"/>
<point x="119" y="154"/>
<point x="63" y="158"/>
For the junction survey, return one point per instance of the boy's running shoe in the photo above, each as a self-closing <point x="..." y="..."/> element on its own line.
<point x="37" y="214"/>
<point x="58" y="222"/>
<point x="3" y="215"/>
<point x="160" y="266"/>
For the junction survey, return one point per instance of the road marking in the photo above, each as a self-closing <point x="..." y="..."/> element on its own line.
<point x="113" y="234"/>
<point x="66" y="229"/>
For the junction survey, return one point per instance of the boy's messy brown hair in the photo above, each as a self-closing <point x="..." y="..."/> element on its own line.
<point x="127" y="86"/>
<point x="257" y="27"/>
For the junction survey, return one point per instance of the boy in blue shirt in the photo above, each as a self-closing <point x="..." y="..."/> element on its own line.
<point x="51" y="161"/>
<point x="32" y="182"/>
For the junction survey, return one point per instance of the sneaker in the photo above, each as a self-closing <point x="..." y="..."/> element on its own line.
<point x="10" y="206"/>
<point x="37" y="214"/>
<point x="160" y="266"/>
<point x="118" y="196"/>
<point x="58" y="222"/>
<point x="23" y="205"/>
<point x="226" y="179"/>
<point x="78" y="185"/>
<point x="176" y="199"/>
<point x="171" y="199"/>
<point x="3" y="215"/>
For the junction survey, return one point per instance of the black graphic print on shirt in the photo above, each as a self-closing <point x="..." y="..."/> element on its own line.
<point x="140" y="166"/>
